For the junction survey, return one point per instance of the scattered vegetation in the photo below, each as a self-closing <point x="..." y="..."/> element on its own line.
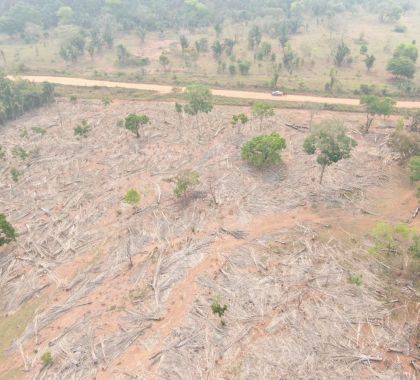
<point x="399" y="241"/>
<point x="18" y="151"/>
<point x="218" y="309"/>
<point x="238" y="120"/>
<point x="185" y="181"/>
<point x="83" y="129"/>
<point x="355" y="279"/>
<point x="15" y="174"/>
<point x="39" y="131"/>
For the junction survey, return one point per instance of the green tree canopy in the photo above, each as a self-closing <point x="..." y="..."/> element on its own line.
<point x="200" y="99"/>
<point x="331" y="144"/>
<point x="403" y="62"/>
<point x="402" y="67"/>
<point x="263" y="150"/>
<point x="408" y="50"/>
<point x="132" y="122"/>
<point x="65" y="14"/>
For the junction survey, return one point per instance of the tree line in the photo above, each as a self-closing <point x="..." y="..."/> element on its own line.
<point x="18" y="97"/>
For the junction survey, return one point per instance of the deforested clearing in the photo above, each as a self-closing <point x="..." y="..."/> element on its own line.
<point x="103" y="288"/>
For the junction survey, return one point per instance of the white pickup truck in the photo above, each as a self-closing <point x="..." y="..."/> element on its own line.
<point x="277" y="93"/>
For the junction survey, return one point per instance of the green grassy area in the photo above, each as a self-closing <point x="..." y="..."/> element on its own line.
<point x="104" y="92"/>
<point x="13" y="325"/>
<point x="129" y="94"/>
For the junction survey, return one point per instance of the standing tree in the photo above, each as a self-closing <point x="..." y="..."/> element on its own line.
<point x="228" y="45"/>
<point x="122" y="54"/>
<point x="262" y="110"/>
<point x="164" y="61"/>
<point x="330" y="142"/>
<point x="402" y="67"/>
<point x="184" y="43"/>
<point x="7" y="232"/>
<point x="403" y="62"/>
<point x="254" y="37"/>
<point x="65" y="14"/>
<point x="217" y="49"/>
<point x="200" y="99"/>
<point x="291" y="59"/>
<point x="244" y="67"/>
<point x="263" y="150"/>
<point x="132" y="122"/>
<point x="376" y="106"/>
<point x="369" y="61"/>
<point x="341" y="52"/>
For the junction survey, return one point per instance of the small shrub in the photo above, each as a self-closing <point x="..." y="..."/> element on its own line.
<point x="238" y="120"/>
<point x="263" y="150"/>
<point x="73" y="99"/>
<point x="82" y="130"/>
<point x="7" y="232"/>
<point x="400" y="28"/>
<point x="24" y="133"/>
<point x="132" y="197"/>
<point x="106" y="101"/>
<point x="47" y="359"/>
<point x="218" y="309"/>
<point x="405" y="143"/>
<point x="2" y="153"/>
<point x="15" y="174"/>
<point x="355" y="279"/>
<point x="40" y="131"/>
<point x="186" y="180"/>
<point x="20" y="152"/>
<point x="178" y="107"/>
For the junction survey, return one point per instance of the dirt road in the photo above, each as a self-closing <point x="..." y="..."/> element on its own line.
<point x="226" y="93"/>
